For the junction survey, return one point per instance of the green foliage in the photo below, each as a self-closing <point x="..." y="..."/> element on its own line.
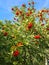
<point x="27" y="34"/>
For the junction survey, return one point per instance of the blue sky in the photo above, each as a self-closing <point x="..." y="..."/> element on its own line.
<point x="6" y="5"/>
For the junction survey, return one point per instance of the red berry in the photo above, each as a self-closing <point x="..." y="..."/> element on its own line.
<point x="30" y="25"/>
<point x="23" y="5"/>
<point x="16" y="53"/>
<point x="40" y="15"/>
<point x="42" y="24"/>
<point x="47" y="11"/>
<point x="37" y="36"/>
<point x="43" y="11"/>
<point x="41" y="19"/>
<point x="5" y="33"/>
<point x="17" y="13"/>
<point x="28" y="8"/>
<point x="27" y="14"/>
<point x="47" y="28"/>
<point x="21" y="12"/>
<point x="30" y="12"/>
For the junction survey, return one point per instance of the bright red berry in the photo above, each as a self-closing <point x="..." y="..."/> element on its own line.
<point x="17" y="13"/>
<point x="30" y="12"/>
<point x="30" y="25"/>
<point x="16" y="53"/>
<point x="37" y="36"/>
